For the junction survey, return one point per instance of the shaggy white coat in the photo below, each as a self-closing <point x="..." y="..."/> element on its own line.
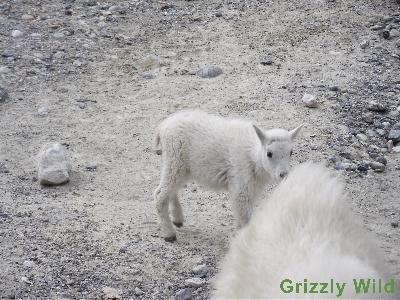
<point x="305" y="230"/>
<point x="219" y="153"/>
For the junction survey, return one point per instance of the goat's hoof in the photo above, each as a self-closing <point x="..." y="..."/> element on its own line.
<point x="170" y="239"/>
<point x="178" y="224"/>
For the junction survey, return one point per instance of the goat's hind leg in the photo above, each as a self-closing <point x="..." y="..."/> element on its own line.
<point x="162" y="198"/>
<point x="176" y="210"/>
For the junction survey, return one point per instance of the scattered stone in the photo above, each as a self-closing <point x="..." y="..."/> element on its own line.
<point x="27" y="17"/>
<point x="386" y="34"/>
<point x="364" y="44"/>
<point x="377" y="27"/>
<point x="396" y="149"/>
<point x="218" y="14"/>
<point x="54" y="165"/>
<point x="91" y="168"/>
<point x="375" y="106"/>
<point x="389" y="145"/>
<point x="3" y="95"/>
<point x="363" y="167"/>
<point x="43" y="111"/>
<point x="184" y="294"/>
<point x="138" y="292"/>
<point x="59" y="35"/>
<point x="200" y="269"/>
<point x="3" y="167"/>
<point x="394" y="135"/>
<point x="25" y="280"/>
<point x="209" y="72"/>
<point x="377" y="166"/>
<point x="150" y="62"/>
<point x="4" y="70"/>
<point x="309" y="101"/>
<point x="381" y="159"/>
<point x="394" y="224"/>
<point x="266" y="61"/>
<point x="334" y="88"/>
<point x="381" y="132"/>
<point x="29" y="264"/>
<point x="195" y="282"/>
<point x="110" y="293"/>
<point x="124" y="248"/>
<point x="362" y="137"/>
<point x="17" y="33"/>
<point x="368" y="117"/>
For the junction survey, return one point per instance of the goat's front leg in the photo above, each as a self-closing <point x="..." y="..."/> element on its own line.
<point x="242" y="198"/>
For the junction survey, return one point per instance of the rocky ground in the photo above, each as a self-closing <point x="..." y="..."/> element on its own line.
<point x="98" y="76"/>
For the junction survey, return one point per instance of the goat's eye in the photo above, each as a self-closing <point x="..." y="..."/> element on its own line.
<point x="291" y="152"/>
<point x="269" y="154"/>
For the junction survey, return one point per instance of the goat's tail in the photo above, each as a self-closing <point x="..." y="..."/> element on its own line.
<point x="157" y="140"/>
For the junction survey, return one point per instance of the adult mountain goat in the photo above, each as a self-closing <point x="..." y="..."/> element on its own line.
<point x="220" y="153"/>
<point x="304" y="242"/>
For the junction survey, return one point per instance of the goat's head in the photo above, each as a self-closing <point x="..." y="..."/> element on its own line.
<point x="276" y="150"/>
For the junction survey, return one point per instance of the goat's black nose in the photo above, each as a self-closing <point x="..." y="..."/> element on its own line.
<point x="283" y="174"/>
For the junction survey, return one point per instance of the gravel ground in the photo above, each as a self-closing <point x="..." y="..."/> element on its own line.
<point x="99" y="76"/>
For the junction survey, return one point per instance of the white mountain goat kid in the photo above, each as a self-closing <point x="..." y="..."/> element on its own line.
<point x="301" y="238"/>
<point x="220" y="153"/>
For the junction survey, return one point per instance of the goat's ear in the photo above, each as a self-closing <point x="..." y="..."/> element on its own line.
<point x="261" y="135"/>
<point x="295" y="132"/>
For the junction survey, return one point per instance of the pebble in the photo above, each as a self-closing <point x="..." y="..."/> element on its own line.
<point x="377" y="166"/>
<point x="309" y="101"/>
<point x="29" y="264"/>
<point x="381" y="132"/>
<point x="368" y="117"/>
<point x="200" y="269"/>
<point x="17" y="33"/>
<point x="184" y="294"/>
<point x="110" y="293"/>
<point x="362" y="137"/>
<point x="4" y="70"/>
<point x="394" y="224"/>
<point x="334" y="88"/>
<point x="43" y="111"/>
<point x="396" y="149"/>
<point x="266" y="62"/>
<point x="377" y="27"/>
<point x="150" y="62"/>
<point x="364" y="44"/>
<point x="27" y="17"/>
<point x="389" y="145"/>
<point x="394" y="135"/>
<point x="26" y="280"/>
<point x="54" y="165"/>
<point x="59" y="35"/>
<point x="209" y="72"/>
<point x="375" y="106"/>
<point x="195" y="282"/>
<point x="3" y="95"/>
<point x="137" y="291"/>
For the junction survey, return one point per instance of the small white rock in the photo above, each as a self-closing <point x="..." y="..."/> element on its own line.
<point x="27" y="17"/>
<point x="362" y="137"/>
<point x="17" y="33"/>
<point x="396" y="149"/>
<point x="200" y="269"/>
<point x="309" y="101"/>
<point x="54" y="165"/>
<point x="59" y="35"/>
<point x="195" y="282"/>
<point x="29" y="264"/>
<point x="138" y="291"/>
<point x="26" y="280"/>
<point x="111" y="293"/>
<point x="4" y="70"/>
<point x="43" y="111"/>
<point x="389" y="145"/>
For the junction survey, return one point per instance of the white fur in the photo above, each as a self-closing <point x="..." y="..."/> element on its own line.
<point x="220" y="153"/>
<point x="305" y="230"/>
